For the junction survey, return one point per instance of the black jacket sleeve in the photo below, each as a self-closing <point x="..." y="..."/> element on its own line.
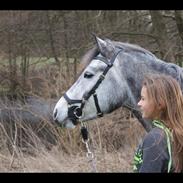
<point x="155" y="152"/>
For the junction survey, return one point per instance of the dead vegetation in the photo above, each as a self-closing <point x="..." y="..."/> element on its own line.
<point x="45" y="147"/>
<point x="112" y="141"/>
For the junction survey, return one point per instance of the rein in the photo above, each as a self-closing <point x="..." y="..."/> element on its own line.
<point x="75" y="112"/>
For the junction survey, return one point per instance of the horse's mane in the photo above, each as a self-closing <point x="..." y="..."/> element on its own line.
<point x="90" y="54"/>
<point x="132" y="47"/>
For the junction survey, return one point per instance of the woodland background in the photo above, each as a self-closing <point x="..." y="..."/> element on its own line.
<point x="40" y="53"/>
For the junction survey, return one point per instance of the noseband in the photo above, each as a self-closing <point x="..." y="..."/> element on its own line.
<point x="75" y="112"/>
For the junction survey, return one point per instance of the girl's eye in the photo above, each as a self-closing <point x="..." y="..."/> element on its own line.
<point x="88" y="75"/>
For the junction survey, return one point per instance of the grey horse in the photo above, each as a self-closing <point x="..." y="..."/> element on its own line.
<point x="112" y="78"/>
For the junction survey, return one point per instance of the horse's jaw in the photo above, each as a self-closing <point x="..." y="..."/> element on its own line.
<point x="68" y="124"/>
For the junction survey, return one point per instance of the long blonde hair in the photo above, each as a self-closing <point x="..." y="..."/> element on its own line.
<point x="165" y="91"/>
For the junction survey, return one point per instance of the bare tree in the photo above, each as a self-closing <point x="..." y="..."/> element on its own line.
<point x="179" y="22"/>
<point x="51" y="38"/>
<point x="162" y="36"/>
<point x="63" y="35"/>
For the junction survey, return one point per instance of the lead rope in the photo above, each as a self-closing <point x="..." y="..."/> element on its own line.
<point x="89" y="154"/>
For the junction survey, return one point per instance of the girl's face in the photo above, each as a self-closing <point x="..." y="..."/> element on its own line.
<point x="147" y="106"/>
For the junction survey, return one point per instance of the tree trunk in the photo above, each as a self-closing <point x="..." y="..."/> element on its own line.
<point x="161" y="33"/>
<point x="179" y="22"/>
<point x="12" y="64"/>
<point x="65" y="27"/>
<point x="51" y="39"/>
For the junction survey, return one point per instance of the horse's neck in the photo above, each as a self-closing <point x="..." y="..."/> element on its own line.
<point x="134" y="74"/>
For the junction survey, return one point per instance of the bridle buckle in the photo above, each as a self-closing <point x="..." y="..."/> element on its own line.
<point x="78" y="112"/>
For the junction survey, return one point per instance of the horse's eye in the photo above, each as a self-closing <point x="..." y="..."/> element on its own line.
<point x="88" y="75"/>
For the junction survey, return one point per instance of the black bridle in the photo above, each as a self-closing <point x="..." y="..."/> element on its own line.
<point x="75" y="112"/>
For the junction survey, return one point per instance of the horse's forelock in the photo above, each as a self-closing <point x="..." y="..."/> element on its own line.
<point x="85" y="60"/>
<point x="87" y="57"/>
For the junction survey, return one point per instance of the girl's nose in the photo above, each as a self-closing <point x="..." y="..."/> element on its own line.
<point x="139" y="103"/>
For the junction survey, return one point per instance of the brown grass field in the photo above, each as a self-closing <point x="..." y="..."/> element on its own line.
<point x="113" y="140"/>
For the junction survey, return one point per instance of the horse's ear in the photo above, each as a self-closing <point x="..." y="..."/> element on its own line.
<point x="105" y="47"/>
<point x="101" y="44"/>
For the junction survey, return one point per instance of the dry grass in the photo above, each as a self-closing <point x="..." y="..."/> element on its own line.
<point x="56" y="161"/>
<point x="112" y="142"/>
<point x="113" y="138"/>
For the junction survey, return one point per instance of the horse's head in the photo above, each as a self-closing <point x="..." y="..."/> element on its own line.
<point x="99" y="89"/>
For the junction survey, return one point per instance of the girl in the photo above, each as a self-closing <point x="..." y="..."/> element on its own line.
<point x="162" y="148"/>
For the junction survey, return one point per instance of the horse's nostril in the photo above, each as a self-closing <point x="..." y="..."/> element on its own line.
<point x="55" y="114"/>
<point x="56" y="121"/>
